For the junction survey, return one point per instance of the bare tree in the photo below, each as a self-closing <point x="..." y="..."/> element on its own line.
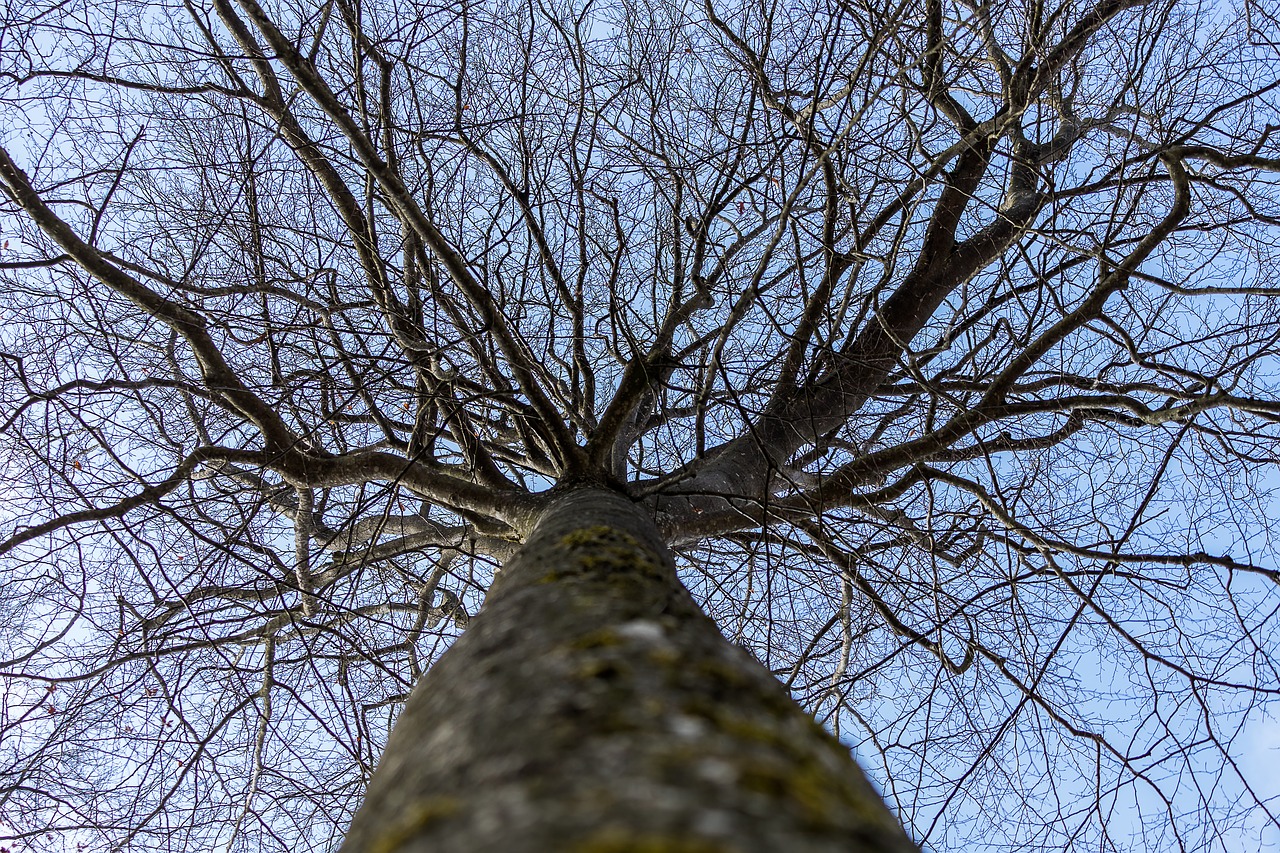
<point x="932" y="344"/>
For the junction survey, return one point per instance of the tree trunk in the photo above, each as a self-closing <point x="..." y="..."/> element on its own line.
<point x="591" y="707"/>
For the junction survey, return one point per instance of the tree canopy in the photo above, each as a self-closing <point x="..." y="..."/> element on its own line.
<point x="939" y="337"/>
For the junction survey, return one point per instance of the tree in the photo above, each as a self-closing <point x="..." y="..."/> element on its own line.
<point x="936" y="341"/>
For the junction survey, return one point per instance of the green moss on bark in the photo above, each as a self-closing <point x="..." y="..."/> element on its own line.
<point x="615" y="841"/>
<point x="592" y="707"/>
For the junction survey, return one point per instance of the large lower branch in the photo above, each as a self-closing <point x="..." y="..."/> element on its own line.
<point x="592" y="706"/>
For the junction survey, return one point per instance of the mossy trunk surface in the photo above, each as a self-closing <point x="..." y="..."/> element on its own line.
<point x="591" y="707"/>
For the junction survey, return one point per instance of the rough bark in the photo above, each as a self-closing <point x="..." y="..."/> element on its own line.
<point x="592" y="706"/>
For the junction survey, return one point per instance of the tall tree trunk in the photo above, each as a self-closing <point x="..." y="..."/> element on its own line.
<point x="591" y="706"/>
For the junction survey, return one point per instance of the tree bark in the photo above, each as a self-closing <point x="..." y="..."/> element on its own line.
<point x="591" y="707"/>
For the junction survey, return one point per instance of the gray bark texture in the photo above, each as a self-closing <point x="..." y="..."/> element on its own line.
<point x="591" y="707"/>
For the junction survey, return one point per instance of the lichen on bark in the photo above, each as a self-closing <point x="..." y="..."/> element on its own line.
<point x="592" y="707"/>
